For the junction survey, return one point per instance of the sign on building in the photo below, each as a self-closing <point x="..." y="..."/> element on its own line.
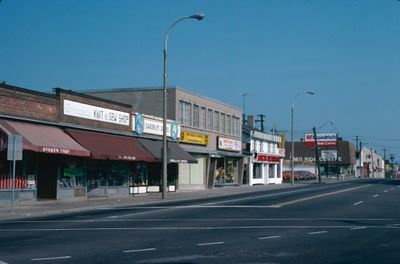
<point x="14" y="147"/>
<point x="327" y="139"/>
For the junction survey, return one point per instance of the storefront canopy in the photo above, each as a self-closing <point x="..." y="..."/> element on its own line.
<point x="177" y="154"/>
<point x="113" y="147"/>
<point x="43" y="138"/>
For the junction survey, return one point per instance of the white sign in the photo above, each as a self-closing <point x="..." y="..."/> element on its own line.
<point x="328" y="155"/>
<point x="95" y="113"/>
<point x="322" y="139"/>
<point x="154" y="126"/>
<point x="229" y="144"/>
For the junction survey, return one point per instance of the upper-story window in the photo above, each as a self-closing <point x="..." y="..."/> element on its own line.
<point x="228" y="125"/>
<point x="203" y="117"/>
<point x="216" y="121"/>
<point x="185" y="113"/>
<point x="236" y="126"/>
<point x="196" y="115"/>
<point x="222" y="123"/>
<point x="210" y="119"/>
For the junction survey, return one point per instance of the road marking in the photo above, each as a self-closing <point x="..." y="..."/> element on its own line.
<point x="357" y="203"/>
<point x="173" y="228"/>
<point x="391" y="188"/>
<point x="2" y="262"/>
<point x="376" y="195"/>
<point x="210" y="243"/>
<point x="317" y="232"/>
<point x="139" y="250"/>
<point x="269" y="237"/>
<point x="51" y="258"/>
<point x="358" y="228"/>
<point x="316" y="196"/>
<point x="385" y="191"/>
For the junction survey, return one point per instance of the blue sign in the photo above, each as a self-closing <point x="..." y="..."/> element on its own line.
<point x="174" y="130"/>
<point x="139" y="124"/>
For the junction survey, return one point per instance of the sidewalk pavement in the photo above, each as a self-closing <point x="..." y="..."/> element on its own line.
<point x="33" y="208"/>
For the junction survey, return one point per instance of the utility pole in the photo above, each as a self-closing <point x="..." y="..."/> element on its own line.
<point x="261" y="121"/>
<point x="316" y="154"/>
<point x="356" y="143"/>
<point x="244" y="108"/>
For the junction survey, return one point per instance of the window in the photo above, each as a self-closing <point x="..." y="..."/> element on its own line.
<point x="210" y="122"/>
<point x="196" y="116"/>
<point x="185" y="113"/>
<point x="222" y="123"/>
<point x="203" y="117"/>
<point x="228" y="125"/>
<point x="216" y="121"/>
<point x="236" y="126"/>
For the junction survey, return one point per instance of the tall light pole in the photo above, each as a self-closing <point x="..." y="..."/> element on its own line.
<point x="164" y="150"/>
<point x="292" y="129"/>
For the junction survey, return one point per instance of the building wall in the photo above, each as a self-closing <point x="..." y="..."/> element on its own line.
<point x="29" y="104"/>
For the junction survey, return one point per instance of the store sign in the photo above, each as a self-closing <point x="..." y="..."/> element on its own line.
<point x="97" y="113"/>
<point x="229" y="144"/>
<point x="194" y="138"/>
<point x="154" y="126"/>
<point x="322" y="140"/>
<point x="328" y="155"/>
<point x="267" y="158"/>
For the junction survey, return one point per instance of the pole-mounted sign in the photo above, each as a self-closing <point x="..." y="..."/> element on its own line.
<point x="14" y="153"/>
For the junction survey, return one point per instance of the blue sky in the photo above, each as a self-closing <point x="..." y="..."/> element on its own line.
<point x="347" y="51"/>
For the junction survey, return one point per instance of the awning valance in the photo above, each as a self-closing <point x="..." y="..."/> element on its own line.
<point x="43" y="138"/>
<point x="177" y="154"/>
<point x="113" y="147"/>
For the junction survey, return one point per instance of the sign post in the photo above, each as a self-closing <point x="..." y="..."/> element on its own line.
<point x="14" y="153"/>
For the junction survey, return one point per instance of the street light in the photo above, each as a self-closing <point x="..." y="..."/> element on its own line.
<point x="164" y="151"/>
<point x="292" y="128"/>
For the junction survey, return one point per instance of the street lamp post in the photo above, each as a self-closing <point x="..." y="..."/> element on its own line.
<point x="292" y="129"/>
<point x="164" y="149"/>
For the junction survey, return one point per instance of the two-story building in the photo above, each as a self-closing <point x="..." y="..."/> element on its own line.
<point x="210" y="132"/>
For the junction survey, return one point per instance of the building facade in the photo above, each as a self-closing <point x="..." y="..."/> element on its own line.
<point x="264" y="160"/>
<point x="77" y="145"/>
<point x="333" y="160"/>
<point x="210" y="132"/>
<point x="369" y="164"/>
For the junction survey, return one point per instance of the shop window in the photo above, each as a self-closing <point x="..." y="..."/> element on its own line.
<point x="72" y="176"/>
<point x="257" y="173"/>
<point x="119" y="174"/>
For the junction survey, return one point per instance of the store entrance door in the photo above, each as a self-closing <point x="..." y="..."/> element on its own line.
<point x="47" y="177"/>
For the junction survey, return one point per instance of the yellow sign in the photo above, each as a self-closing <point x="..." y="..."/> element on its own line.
<point x="194" y="138"/>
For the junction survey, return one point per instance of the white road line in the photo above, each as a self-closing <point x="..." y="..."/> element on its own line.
<point x="51" y="258"/>
<point x="269" y="237"/>
<point x="139" y="250"/>
<point x="210" y="243"/>
<point x="2" y="262"/>
<point x="315" y="196"/>
<point x="391" y="188"/>
<point x="376" y="195"/>
<point x="317" y="232"/>
<point x="385" y="191"/>
<point x="358" y="228"/>
<point x="357" y="203"/>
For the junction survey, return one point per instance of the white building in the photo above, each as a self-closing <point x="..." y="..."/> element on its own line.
<point x="369" y="164"/>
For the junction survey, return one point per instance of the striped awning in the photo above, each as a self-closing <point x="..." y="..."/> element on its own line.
<point x="43" y="138"/>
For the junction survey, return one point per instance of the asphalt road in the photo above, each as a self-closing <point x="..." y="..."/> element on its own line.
<point x="347" y="222"/>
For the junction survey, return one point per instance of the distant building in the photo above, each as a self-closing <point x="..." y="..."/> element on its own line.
<point x="333" y="159"/>
<point x="264" y="157"/>
<point x="369" y="164"/>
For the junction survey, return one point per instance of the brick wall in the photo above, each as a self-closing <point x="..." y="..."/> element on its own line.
<point x="24" y="103"/>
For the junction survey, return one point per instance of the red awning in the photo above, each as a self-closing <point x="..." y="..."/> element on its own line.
<point x="43" y="138"/>
<point x="113" y="147"/>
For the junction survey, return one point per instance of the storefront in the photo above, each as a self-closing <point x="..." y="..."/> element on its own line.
<point x="115" y="162"/>
<point x="150" y="129"/>
<point x="39" y="174"/>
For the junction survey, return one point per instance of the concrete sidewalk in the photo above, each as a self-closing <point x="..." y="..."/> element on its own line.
<point x="26" y="209"/>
